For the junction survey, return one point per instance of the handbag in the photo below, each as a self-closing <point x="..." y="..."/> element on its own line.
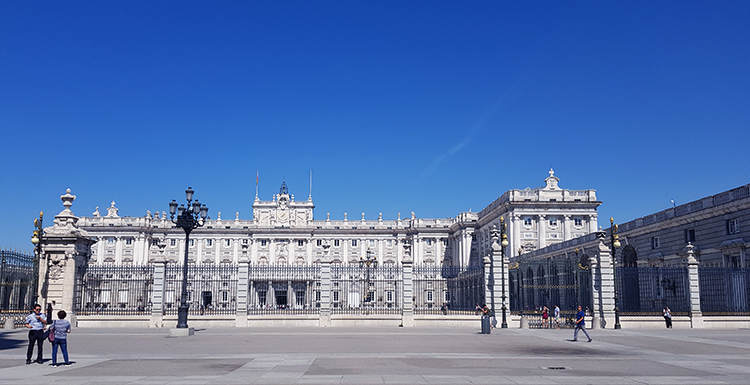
<point x="51" y="331"/>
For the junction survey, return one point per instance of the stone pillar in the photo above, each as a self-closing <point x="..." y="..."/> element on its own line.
<point x="542" y="234"/>
<point x="325" y="293"/>
<point x="243" y="273"/>
<point x="157" y="295"/>
<point x="602" y="280"/>
<point x="65" y="253"/>
<point x="407" y="314"/>
<point x="696" y="317"/>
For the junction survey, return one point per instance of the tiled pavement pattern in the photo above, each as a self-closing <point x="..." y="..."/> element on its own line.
<point x="386" y="356"/>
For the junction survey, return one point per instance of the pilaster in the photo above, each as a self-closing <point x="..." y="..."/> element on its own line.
<point x="696" y="317"/>
<point x="157" y="295"/>
<point x="243" y="273"/>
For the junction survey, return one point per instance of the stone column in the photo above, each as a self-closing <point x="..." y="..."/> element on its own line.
<point x="542" y="234"/>
<point x="64" y="256"/>
<point x="325" y="287"/>
<point x="407" y="314"/>
<point x="489" y="283"/>
<point x="696" y="317"/>
<point x="325" y="293"/>
<point x="602" y="280"/>
<point x="407" y="311"/>
<point x="243" y="273"/>
<point x="157" y="295"/>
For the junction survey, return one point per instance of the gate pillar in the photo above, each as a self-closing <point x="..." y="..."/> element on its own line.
<point x="66" y="250"/>
<point x="696" y="317"/>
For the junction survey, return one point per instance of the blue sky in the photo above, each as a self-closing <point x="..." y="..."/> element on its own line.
<point x="435" y="107"/>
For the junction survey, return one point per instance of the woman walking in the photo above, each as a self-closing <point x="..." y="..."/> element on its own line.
<point x="61" y="328"/>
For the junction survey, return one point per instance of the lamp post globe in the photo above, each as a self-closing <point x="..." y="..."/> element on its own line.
<point x="189" y="218"/>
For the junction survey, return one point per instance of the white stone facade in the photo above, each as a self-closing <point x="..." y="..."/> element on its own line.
<point x="283" y="231"/>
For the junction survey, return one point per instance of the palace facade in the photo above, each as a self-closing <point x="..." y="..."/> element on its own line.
<point x="282" y="231"/>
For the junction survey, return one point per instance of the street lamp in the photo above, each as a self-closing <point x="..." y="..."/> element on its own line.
<point x="188" y="218"/>
<point x="503" y="243"/>
<point x="36" y="239"/>
<point x="365" y="263"/>
<point x="614" y="242"/>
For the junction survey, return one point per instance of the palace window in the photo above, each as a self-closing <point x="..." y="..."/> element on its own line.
<point x="430" y="298"/>
<point x="154" y="242"/>
<point x="336" y="243"/>
<point x="227" y="242"/>
<point x="578" y="222"/>
<point x="733" y="226"/>
<point x="263" y="242"/>
<point x="528" y="222"/>
<point x="129" y="241"/>
<point x="372" y="243"/>
<point x="354" y="243"/>
<point x="654" y="242"/>
<point x="110" y="241"/>
<point x="553" y="221"/>
<point x="300" y="243"/>
<point x="689" y="235"/>
<point x="389" y="243"/>
<point x="172" y="242"/>
<point x="209" y="242"/>
<point x="429" y="241"/>
<point x="192" y="242"/>
<point x="319" y="242"/>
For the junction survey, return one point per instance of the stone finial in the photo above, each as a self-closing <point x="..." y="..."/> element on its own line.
<point x="380" y="217"/>
<point x="67" y="200"/>
<point x="345" y="216"/>
<point x="399" y="216"/>
<point x="494" y="234"/>
<point x="551" y="181"/>
<point x="96" y="213"/>
<point x="691" y="254"/>
<point x="112" y="211"/>
<point x="363" y="217"/>
<point x="237" y="216"/>
<point x="328" y="216"/>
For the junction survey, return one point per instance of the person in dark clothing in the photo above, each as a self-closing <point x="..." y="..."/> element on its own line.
<point x="35" y="322"/>
<point x="580" y="325"/>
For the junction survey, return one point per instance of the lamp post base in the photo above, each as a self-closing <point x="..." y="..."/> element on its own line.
<point x="181" y="332"/>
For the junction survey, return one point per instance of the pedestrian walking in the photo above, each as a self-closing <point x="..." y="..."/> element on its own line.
<point x="61" y="328"/>
<point x="580" y="324"/>
<point x="557" y="316"/>
<point x="545" y="317"/>
<point x="667" y="316"/>
<point x="35" y="322"/>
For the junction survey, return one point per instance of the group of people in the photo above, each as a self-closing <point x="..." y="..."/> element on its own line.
<point x="546" y="322"/>
<point x="37" y="323"/>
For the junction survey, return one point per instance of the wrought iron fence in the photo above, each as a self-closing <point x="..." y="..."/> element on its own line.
<point x="212" y="289"/>
<point x="646" y="290"/>
<point x="534" y="284"/>
<point x="114" y="290"/>
<point x="566" y="320"/>
<point x="724" y="290"/>
<point x="365" y="289"/>
<point x="16" y="282"/>
<point x="447" y="289"/>
<point x="284" y="289"/>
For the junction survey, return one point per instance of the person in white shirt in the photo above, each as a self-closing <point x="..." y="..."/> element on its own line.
<point x="35" y="322"/>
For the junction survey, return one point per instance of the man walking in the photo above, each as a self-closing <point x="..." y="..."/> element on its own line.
<point x="580" y="324"/>
<point x="35" y="322"/>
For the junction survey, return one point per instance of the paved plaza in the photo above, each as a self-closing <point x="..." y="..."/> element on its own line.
<point x="366" y="355"/>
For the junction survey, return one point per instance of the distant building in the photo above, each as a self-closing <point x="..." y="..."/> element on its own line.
<point x="283" y="231"/>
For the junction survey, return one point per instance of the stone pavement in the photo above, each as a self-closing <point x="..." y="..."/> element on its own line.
<point x="367" y="355"/>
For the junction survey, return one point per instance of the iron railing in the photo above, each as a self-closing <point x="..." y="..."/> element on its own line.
<point x="16" y="282"/>
<point x="114" y="290"/>
<point x="534" y="284"/>
<point x="647" y="290"/>
<point x="724" y="290"/>
<point x="212" y="289"/>
<point x="447" y="289"/>
<point x="284" y="289"/>
<point x="366" y="289"/>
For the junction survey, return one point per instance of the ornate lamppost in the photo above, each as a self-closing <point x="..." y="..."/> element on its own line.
<point x="365" y="263"/>
<point x="503" y="244"/>
<point x="36" y="240"/>
<point x="614" y="242"/>
<point x="188" y="218"/>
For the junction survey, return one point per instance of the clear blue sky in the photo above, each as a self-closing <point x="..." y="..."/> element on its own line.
<point x="436" y="107"/>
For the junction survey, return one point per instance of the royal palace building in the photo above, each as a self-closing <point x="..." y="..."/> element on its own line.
<point x="283" y="231"/>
